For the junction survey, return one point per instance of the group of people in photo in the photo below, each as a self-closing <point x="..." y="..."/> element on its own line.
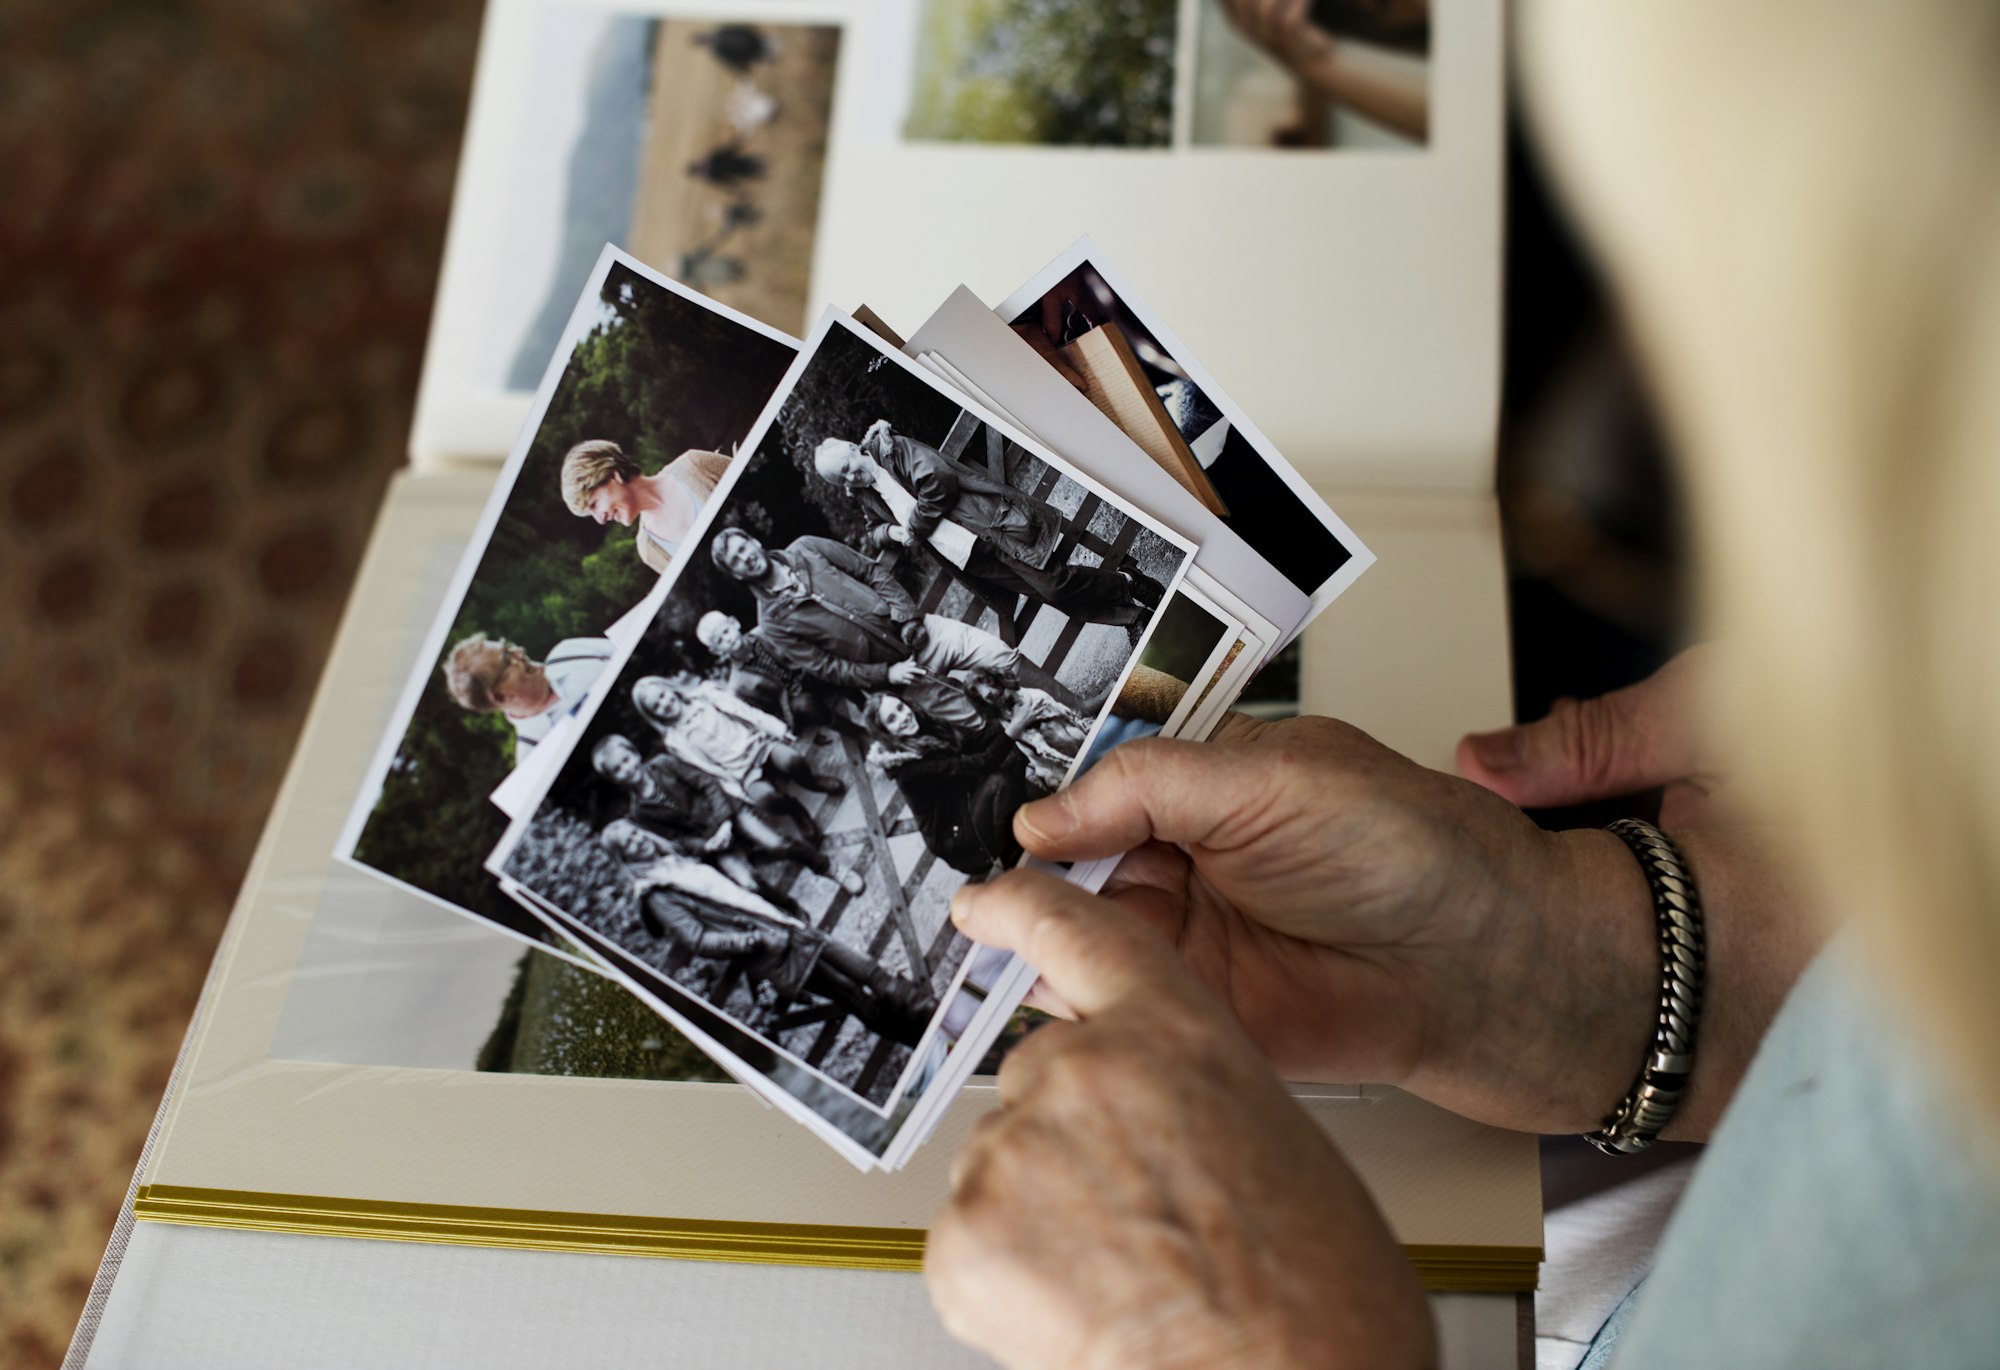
<point x="716" y="828"/>
<point x="706" y="823"/>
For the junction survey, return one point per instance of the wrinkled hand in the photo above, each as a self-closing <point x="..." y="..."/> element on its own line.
<point x="1148" y="1195"/>
<point x="1635" y="739"/>
<point x="1368" y="919"/>
<point x="905" y="672"/>
<point x="1285" y="30"/>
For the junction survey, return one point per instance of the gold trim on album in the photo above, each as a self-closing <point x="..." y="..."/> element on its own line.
<point x="1484" y="1269"/>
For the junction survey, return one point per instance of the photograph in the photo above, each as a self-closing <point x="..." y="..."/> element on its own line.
<point x="1260" y="496"/>
<point x="1189" y="645"/>
<point x="644" y="1041"/>
<point x="657" y="391"/>
<point x="1043" y="71"/>
<point x="697" y="145"/>
<point x="896" y="624"/>
<point x="1314" y="75"/>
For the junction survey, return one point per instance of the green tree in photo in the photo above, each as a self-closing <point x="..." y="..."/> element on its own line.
<point x="657" y="374"/>
<point x="1045" y="71"/>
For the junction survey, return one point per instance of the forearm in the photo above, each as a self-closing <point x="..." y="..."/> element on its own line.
<point x="1397" y="104"/>
<point x="815" y="661"/>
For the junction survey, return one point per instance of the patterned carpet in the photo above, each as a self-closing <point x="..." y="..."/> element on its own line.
<point x="220" y="223"/>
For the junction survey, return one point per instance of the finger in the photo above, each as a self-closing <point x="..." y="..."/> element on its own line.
<point x="1236" y="727"/>
<point x="971" y="1156"/>
<point x="1150" y="790"/>
<point x="1026" y="1062"/>
<point x="1046" y="1000"/>
<point x="1153" y="866"/>
<point x="1617" y="744"/>
<point x="1090" y="951"/>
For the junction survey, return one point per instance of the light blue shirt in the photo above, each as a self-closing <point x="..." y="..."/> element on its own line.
<point x="1837" y="1219"/>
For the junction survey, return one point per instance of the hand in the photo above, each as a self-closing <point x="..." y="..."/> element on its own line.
<point x="1285" y="30"/>
<point x="1148" y="1195"/>
<point x="1761" y="927"/>
<point x="905" y="673"/>
<point x="1368" y="919"/>
<point x="915" y="636"/>
<point x="1631" y="740"/>
<point x="898" y="535"/>
<point x="720" y="839"/>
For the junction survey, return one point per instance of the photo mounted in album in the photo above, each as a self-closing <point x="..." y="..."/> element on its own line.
<point x="693" y="139"/>
<point x="639" y="412"/>
<point x="896" y="620"/>
<point x="1085" y="321"/>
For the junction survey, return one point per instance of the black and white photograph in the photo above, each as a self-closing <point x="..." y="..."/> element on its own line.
<point x="640" y="416"/>
<point x="1260" y="496"/>
<point x="896" y="624"/>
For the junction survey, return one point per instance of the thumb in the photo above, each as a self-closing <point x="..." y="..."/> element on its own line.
<point x="1586" y="750"/>
<point x="1149" y="790"/>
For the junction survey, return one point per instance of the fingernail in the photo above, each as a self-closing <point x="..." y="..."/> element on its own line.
<point x="961" y="903"/>
<point x="1501" y="751"/>
<point x="1048" y="820"/>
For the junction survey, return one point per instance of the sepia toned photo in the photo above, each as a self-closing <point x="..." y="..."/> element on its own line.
<point x="696" y="144"/>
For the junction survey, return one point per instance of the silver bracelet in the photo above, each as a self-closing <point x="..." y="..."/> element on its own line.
<point x="1669" y="1061"/>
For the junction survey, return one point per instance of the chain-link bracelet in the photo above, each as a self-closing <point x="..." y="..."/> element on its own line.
<point x="1669" y="1061"/>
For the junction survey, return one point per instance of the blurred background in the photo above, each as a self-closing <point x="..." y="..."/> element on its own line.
<point x="220" y="226"/>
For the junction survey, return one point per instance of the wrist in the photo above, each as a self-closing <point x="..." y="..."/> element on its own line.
<point x="1560" y="991"/>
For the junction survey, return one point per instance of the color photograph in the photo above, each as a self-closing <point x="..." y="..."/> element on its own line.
<point x="1042" y="71"/>
<point x="697" y="145"/>
<point x="640" y="424"/>
<point x="1312" y="75"/>
<point x="1265" y="500"/>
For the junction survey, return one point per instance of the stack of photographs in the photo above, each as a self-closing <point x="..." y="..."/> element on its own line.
<point x="760" y="645"/>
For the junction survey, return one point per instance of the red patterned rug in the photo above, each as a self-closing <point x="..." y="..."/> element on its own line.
<point x="220" y="223"/>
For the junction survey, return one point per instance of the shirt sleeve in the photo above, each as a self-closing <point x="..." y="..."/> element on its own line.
<point x="802" y="654"/>
<point x="933" y="485"/>
<point x="692" y="932"/>
<point x="875" y="571"/>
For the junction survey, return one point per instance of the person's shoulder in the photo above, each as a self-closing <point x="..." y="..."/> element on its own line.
<point x="814" y="547"/>
<point x="699" y="465"/>
<point x="578" y="648"/>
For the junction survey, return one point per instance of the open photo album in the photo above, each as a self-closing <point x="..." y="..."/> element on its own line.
<point x="753" y="570"/>
<point x="761" y="644"/>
